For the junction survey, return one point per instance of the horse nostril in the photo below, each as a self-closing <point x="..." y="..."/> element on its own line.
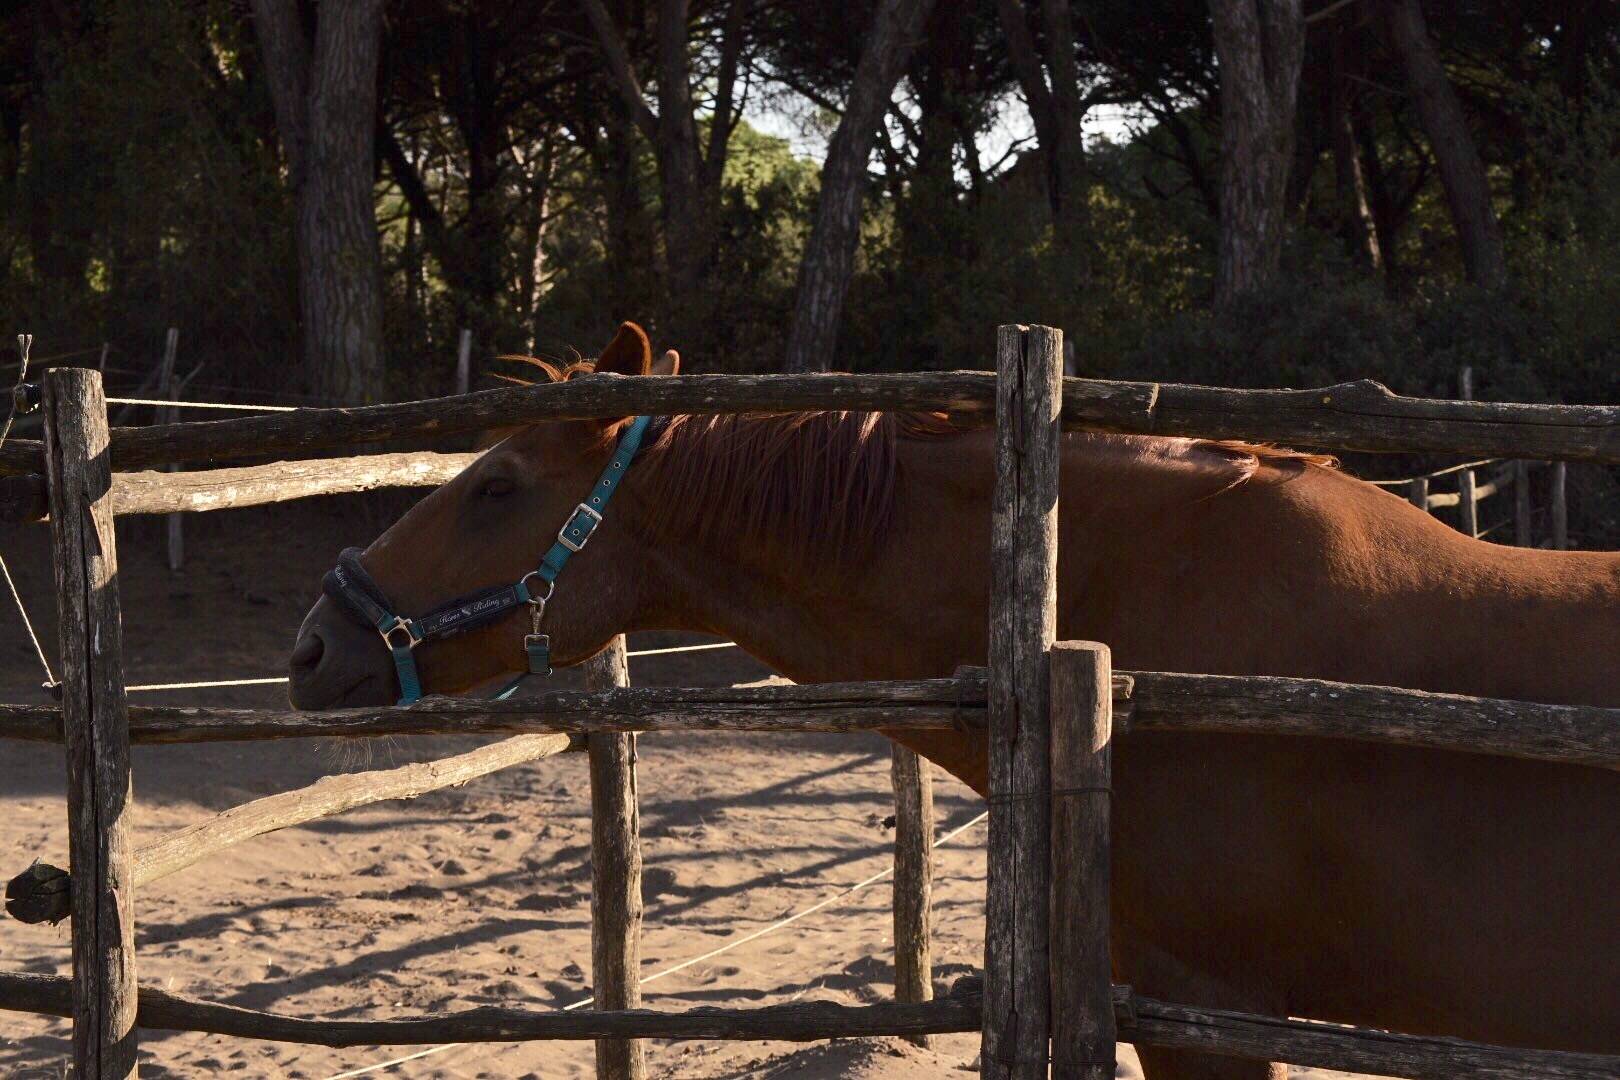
<point x="307" y="652"/>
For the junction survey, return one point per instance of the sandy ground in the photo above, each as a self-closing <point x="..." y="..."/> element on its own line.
<point x="476" y="895"/>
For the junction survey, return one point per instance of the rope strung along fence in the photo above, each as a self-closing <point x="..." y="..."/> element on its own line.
<point x="25" y="345"/>
<point x="165" y="404"/>
<point x="819" y="905"/>
<point x="147" y="688"/>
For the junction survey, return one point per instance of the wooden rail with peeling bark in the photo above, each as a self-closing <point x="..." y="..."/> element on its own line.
<point x="1261" y="705"/>
<point x="1144" y="701"/>
<point x="1139" y="1020"/>
<point x="1360" y="415"/>
<point x="923" y="704"/>
<point x="39" y="894"/>
<point x="23" y="498"/>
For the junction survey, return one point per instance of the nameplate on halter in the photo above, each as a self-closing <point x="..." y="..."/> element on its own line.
<point x="470" y="612"/>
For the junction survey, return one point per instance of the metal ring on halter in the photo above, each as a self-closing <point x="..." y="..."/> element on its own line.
<point x="412" y="639"/>
<point x="535" y="598"/>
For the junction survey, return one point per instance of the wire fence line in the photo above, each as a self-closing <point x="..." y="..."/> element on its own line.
<point x="209" y="684"/>
<point x="779" y="924"/>
<point x="164" y="403"/>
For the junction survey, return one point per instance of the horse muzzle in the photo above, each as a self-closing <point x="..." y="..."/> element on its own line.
<point x="337" y="663"/>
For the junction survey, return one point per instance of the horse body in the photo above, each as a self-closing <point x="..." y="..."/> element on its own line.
<point x="1421" y="891"/>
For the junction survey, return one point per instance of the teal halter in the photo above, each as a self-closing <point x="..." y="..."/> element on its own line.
<point x="359" y="595"/>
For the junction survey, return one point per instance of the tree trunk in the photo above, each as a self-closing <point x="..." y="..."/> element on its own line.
<point x="1260" y="45"/>
<point x="829" y="258"/>
<point x="1357" y="226"/>
<point x="1057" y="111"/>
<point x="689" y="182"/>
<point x="1462" y="173"/>
<point x="680" y="166"/>
<point x="325" y="98"/>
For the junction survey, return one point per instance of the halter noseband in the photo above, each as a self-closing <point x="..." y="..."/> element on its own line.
<point x="362" y="599"/>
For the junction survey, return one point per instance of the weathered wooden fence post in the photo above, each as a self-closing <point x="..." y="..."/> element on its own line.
<point x="95" y="725"/>
<point x="1023" y="618"/>
<point x="1560" y="506"/>
<point x="913" y="877"/>
<point x="1082" y="788"/>
<point x="464" y="362"/>
<point x="1418" y="492"/>
<point x="1522" y="536"/>
<point x="615" y="874"/>
<point x="1467" y="502"/>
<point x="167" y="414"/>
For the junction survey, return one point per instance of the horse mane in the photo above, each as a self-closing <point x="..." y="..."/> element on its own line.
<point x="805" y="486"/>
<point x="1267" y="453"/>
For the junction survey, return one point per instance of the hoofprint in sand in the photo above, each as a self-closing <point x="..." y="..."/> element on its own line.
<point x="475" y="895"/>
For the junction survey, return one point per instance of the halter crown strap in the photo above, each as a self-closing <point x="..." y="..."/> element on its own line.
<point x="576" y="531"/>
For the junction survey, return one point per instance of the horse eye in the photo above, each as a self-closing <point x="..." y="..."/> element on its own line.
<point x="496" y="486"/>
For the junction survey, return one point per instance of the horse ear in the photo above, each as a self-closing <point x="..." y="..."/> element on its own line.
<point x="629" y="353"/>
<point x="668" y="364"/>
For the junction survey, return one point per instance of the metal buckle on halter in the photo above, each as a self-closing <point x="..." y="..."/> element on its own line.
<point x="574" y="527"/>
<point x="412" y="638"/>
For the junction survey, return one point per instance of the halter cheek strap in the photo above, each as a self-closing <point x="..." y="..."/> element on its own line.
<point x="363" y="600"/>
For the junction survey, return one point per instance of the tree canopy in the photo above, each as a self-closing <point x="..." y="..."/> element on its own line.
<point x="541" y="170"/>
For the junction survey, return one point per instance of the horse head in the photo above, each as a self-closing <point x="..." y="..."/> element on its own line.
<point x="460" y="591"/>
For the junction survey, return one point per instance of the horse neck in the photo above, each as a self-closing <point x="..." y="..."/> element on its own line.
<point x="792" y="597"/>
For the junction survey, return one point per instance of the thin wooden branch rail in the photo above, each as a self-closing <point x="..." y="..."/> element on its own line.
<point x="1139" y="1020"/>
<point x="1361" y="415"/>
<point x="1499" y="481"/>
<point x="23" y="498"/>
<point x="796" y="1022"/>
<point x="39" y="894"/>
<point x="1144" y="701"/>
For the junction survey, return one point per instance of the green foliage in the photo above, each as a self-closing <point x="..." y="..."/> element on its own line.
<point x="148" y="195"/>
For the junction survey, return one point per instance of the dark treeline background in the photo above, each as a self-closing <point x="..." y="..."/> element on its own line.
<point x="323" y="195"/>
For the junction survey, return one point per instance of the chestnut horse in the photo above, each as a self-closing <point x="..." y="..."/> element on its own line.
<point x="1414" y="890"/>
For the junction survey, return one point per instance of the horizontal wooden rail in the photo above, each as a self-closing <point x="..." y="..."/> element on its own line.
<point x="23" y="498"/>
<point x="796" y="1022"/>
<point x="1345" y="1049"/>
<point x="1261" y="705"/>
<point x="40" y="893"/>
<point x="1145" y="700"/>
<point x="1360" y="415"/>
<point x="861" y="706"/>
<point x="1140" y="1020"/>
<point x="1499" y="482"/>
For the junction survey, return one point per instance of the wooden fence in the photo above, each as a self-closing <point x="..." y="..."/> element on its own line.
<point x="1047" y="952"/>
<point x="1507" y="477"/>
